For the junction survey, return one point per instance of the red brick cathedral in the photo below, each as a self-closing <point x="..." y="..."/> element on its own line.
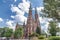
<point x="32" y="23"/>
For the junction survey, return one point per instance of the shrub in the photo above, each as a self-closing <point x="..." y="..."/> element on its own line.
<point x="34" y="34"/>
<point x="54" y="38"/>
<point x="41" y="37"/>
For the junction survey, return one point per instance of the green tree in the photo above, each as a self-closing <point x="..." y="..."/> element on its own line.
<point x="52" y="9"/>
<point x="1" y="30"/>
<point x="52" y="28"/>
<point x="18" y="33"/>
<point x="38" y="30"/>
<point x="6" y="32"/>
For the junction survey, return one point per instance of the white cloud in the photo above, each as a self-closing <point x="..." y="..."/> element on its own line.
<point x="50" y="19"/>
<point x="20" y="18"/>
<point x="1" y="19"/>
<point x="12" y="16"/>
<point x="40" y="19"/>
<point x="17" y="10"/>
<point x="20" y="11"/>
<point x="24" y="6"/>
<point x="45" y="23"/>
<point x="15" y="0"/>
<point x="58" y="24"/>
<point x="40" y="8"/>
<point x="43" y="20"/>
<point x="33" y="8"/>
<point x="10" y="24"/>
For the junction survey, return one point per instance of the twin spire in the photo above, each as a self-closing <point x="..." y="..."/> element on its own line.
<point x="31" y="8"/>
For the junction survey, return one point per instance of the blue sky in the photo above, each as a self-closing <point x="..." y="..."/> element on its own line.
<point x="12" y="11"/>
<point x="5" y="7"/>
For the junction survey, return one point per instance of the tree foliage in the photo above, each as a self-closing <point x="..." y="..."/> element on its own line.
<point x="6" y="32"/>
<point x="18" y="32"/>
<point x="38" y="30"/>
<point x="52" y="28"/>
<point x="52" y="9"/>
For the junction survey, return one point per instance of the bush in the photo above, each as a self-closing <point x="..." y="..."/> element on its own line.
<point x="41" y="37"/>
<point x="34" y="35"/>
<point x="54" y="38"/>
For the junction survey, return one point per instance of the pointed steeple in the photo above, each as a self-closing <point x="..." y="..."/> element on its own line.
<point x="37" y="17"/>
<point x="35" y="10"/>
<point x="24" y="23"/>
<point x="16" y="25"/>
<point x="30" y="7"/>
<point x="30" y="10"/>
<point x="29" y="24"/>
<point x="36" y="14"/>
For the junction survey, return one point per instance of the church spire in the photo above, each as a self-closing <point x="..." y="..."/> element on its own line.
<point x="30" y="7"/>
<point x="29" y="22"/>
<point x="35" y="10"/>
<point x="16" y="25"/>
<point x="36" y="17"/>
<point x="30" y="10"/>
<point x="36" y="14"/>
<point x="24" y="23"/>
